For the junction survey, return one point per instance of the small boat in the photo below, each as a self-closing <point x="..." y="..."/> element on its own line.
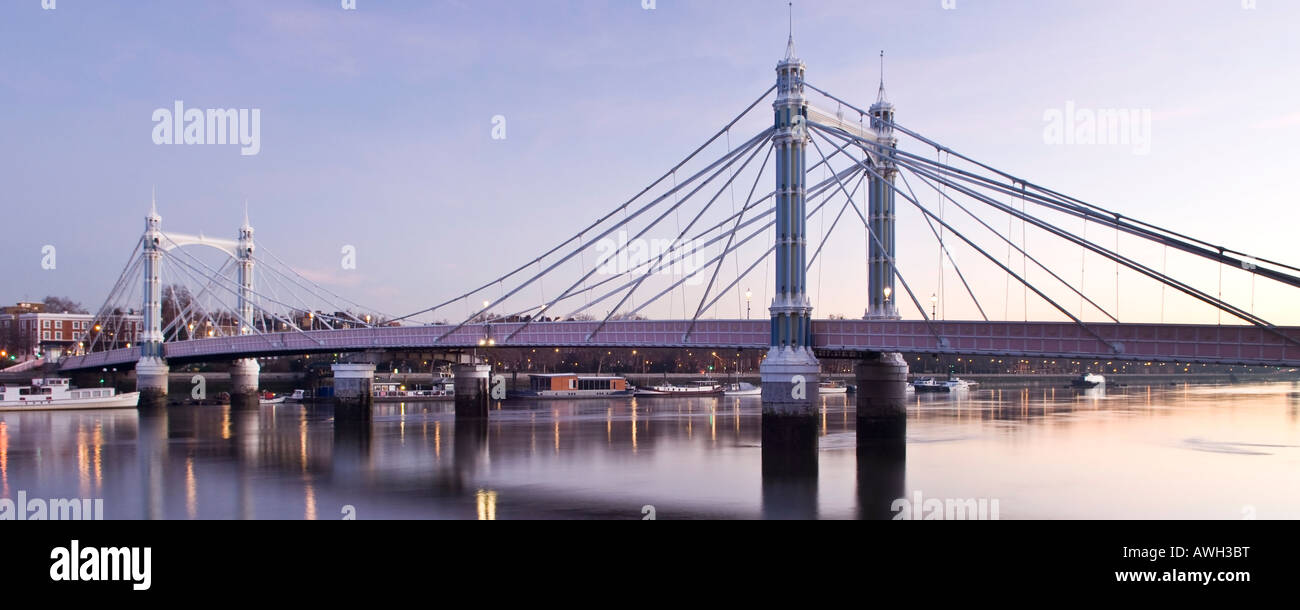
<point x="572" y="385"/>
<point x="397" y="392"/>
<point x="267" y="398"/>
<point x="1088" y="381"/>
<point x="743" y="389"/>
<point x="297" y="396"/>
<point x="57" y="394"/>
<point x="706" y="387"/>
<point x="832" y="387"/>
<point x="932" y="385"/>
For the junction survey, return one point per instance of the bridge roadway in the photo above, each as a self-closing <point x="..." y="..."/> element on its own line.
<point x="1211" y="344"/>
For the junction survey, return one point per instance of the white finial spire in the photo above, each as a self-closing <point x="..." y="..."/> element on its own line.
<point x="246" y="212"/>
<point x="789" y="46"/>
<point x="880" y="97"/>
<point x="153" y="201"/>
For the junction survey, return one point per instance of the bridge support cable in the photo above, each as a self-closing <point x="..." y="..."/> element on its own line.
<point x="764" y="144"/>
<point x="731" y="235"/>
<point x="231" y="287"/>
<point x="1061" y="202"/>
<point x="725" y="163"/>
<point x="1016" y="187"/>
<point x="824" y="131"/>
<point x="814" y="192"/>
<point x="893" y="263"/>
<point x="1012" y="214"/>
<point x="1125" y="261"/>
<point x="208" y="272"/>
<point x="313" y="285"/>
<point x="861" y="177"/>
<point x="541" y="273"/>
<point x="198" y="276"/>
<point x="129" y="272"/>
<point x="1105" y="252"/>
<point x="1104" y="216"/>
<point x="621" y="208"/>
<point x="712" y="168"/>
<point x="1008" y="240"/>
<point x="944" y="249"/>
<point x="183" y="313"/>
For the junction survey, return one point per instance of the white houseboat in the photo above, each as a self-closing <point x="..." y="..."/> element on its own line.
<point x="571" y="385"/>
<point x="55" y="394"/>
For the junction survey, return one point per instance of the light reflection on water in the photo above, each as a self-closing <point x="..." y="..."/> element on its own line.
<point x="1133" y="452"/>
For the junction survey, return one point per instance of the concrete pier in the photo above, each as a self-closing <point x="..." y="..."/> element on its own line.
<point x="151" y="377"/>
<point x="473" y="391"/>
<point x="882" y="397"/>
<point x="244" y="383"/>
<point x="352" y="397"/>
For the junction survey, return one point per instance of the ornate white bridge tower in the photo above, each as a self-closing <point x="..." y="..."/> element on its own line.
<point x="151" y="371"/>
<point x="882" y="301"/>
<point x="244" y="373"/>
<point x="790" y="371"/>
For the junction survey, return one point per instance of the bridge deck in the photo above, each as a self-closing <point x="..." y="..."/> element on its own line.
<point x="1155" y="342"/>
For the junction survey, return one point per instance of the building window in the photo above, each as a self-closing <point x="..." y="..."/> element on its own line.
<point x="45" y="323"/>
<point x="58" y="335"/>
<point x="58" y="324"/>
<point x="45" y="334"/>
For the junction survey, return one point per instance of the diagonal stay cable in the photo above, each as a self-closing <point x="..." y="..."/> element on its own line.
<point x="823" y="132"/>
<point x="725" y="162"/>
<point x="603" y="219"/>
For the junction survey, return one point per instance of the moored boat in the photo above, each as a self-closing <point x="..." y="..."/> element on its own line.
<point x="706" y="387"/>
<point x="831" y="387"/>
<point x="949" y="385"/>
<point x="397" y="392"/>
<point x="1088" y="380"/>
<point x="743" y="389"/>
<point x="57" y="394"/>
<point x="572" y="385"/>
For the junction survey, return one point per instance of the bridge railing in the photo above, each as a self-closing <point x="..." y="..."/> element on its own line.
<point x="1157" y="342"/>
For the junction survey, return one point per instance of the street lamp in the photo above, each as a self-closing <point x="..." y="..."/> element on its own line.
<point x="749" y="295"/>
<point x="934" y="304"/>
<point x="888" y="291"/>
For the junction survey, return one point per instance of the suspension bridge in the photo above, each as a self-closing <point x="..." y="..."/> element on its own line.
<point x="820" y="155"/>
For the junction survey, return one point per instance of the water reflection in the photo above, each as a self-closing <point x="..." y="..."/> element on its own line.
<point x="1147" y="452"/>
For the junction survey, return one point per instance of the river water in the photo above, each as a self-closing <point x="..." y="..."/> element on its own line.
<point x="1138" y="452"/>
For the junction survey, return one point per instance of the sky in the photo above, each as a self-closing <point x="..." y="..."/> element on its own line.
<point x="377" y="132"/>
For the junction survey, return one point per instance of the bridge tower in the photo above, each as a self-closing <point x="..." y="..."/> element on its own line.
<point x="151" y="371"/>
<point x="244" y="372"/>
<point x="882" y="377"/>
<point x="882" y="301"/>
<point x="790" y="370"/>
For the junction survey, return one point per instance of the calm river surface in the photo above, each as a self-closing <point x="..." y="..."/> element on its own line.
<point x="1186" y="451"/>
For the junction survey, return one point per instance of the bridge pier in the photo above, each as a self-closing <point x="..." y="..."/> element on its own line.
<point x="473" y="394"/>
<point x="244" y="378"/>
<point x="789" y="438"/>
<point x="352" y="397"/>
<point x="151" y="377"/>
<point x="882" y="397"/>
